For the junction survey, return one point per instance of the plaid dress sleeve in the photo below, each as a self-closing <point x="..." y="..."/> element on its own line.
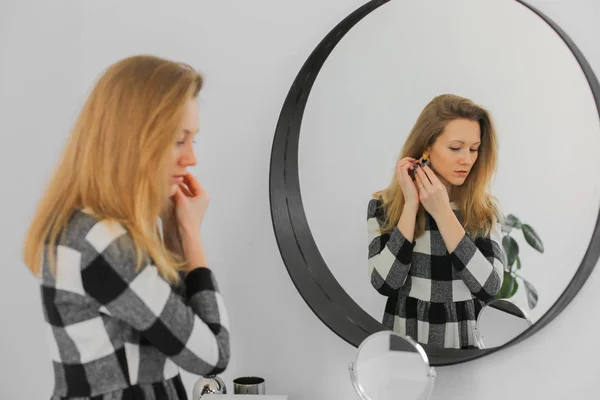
<point x="480" y="263"/>
<point x="191" y="330"/>
<point x="390" y="253"/>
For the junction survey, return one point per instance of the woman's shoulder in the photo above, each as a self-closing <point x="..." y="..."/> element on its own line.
<point x="86" y="232"/>
<point x="375" y="207"/>
<point x="92" y="239"/>
<point x="375" y="201"/>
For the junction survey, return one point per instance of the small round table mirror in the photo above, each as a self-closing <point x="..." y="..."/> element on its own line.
<point x="499" y="322"/>
<point x="388" y="365"/>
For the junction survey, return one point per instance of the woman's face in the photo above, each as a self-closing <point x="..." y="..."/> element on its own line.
<point x="183" y="151"/>
<point x="455" y="151"/>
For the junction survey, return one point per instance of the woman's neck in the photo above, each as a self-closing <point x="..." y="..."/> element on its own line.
<point x="449" y="188"/>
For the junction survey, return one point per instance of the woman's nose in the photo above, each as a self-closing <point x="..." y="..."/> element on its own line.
<point x="188" y="159"/>
<point x="466" y="160"/>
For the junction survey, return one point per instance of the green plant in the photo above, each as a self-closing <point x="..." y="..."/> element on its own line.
<point x="513" y="265"/>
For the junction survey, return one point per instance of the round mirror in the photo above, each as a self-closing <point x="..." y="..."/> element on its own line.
<point x="503" y="108"/>
<point x="388" y="364"/>
<point x="499" y="322"/>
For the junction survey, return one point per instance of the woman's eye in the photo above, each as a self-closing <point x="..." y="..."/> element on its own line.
<point x="474" y="150"/>
<point x="454" y="149"/>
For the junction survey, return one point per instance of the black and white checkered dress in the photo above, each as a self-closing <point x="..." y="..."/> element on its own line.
<point x="117" y="333"/>
<point x="433" y="296"/>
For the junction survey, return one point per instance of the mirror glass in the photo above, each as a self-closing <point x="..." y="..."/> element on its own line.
<point x="388" y="364"/>
<point x="519" y="76"/>
<point x="499" y="322"/>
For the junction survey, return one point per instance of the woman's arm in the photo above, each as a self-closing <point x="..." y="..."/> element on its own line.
<point x="450" y="228"/>
<point x="390" y="254"/>
<point x="195" y="335"/>
<point x="480" y="263"/>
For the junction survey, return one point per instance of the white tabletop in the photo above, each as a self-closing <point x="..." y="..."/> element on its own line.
<point x="244" y="397"/>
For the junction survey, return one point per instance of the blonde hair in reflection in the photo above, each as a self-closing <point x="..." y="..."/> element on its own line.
<point x="478" y="207"/>
<point x="115" y="156"/>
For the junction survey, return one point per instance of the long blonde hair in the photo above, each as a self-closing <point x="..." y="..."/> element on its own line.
<point x="116" y="156"/>
<point x="477" y="206"/>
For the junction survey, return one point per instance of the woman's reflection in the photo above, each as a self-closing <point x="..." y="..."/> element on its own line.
<point x="434" y="233"/>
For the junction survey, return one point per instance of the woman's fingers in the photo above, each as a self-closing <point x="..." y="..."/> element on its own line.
<point x="431" y="176"/>
<point x="424" y="179"/>
<point x="186" y="191"/>
<point x="192" y="183"/>
<point x="420" y="186"/>
<point x="403" y="169"/>
<point x="404" y="163"/>
<point x="405" y="160"/>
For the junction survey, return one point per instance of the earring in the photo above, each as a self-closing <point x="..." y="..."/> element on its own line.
<point x="425" y="159"/>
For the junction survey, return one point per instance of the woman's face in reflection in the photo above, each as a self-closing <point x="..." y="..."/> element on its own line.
<point x="455" y="151"/>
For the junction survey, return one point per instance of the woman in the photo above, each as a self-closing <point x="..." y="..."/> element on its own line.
<point x="435" y="243"/>
<point x="123" y="308"/>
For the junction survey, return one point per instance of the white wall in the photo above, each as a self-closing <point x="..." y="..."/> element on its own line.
<point x="250" y="52"/>
<point x="40" y="67"/>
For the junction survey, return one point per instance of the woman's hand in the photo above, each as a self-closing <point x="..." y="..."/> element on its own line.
<point x="432" y="192"/>
<point x="191" y="202"/>
<point x="407" y="185"/>
<point x="188" y="206"/>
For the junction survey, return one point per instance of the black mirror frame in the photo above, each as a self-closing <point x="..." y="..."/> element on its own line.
<point x="305" y="265"/>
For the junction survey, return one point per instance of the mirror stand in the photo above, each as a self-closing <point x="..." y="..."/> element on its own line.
<point x="363" y="396"/>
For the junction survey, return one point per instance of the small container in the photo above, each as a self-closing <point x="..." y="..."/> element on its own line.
<point x="249" y="385"/>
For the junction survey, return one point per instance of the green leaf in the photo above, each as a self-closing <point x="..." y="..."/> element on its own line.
<point x="532" y="238"/>
<point x="509" y="287"/>
<point x="515" y="287"/>
<point x="506" y="229"/>
<point x="512" y="221"/>
<point x="511" y="247"/>
<point x="518" y="262"/>
<point x="532" y="294"/>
